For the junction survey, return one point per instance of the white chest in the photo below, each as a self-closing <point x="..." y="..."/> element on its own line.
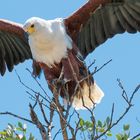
<point x="49" y="44"/>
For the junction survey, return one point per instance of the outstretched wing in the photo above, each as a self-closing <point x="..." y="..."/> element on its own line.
<point x="106" y="21"/>
<point x="14" y="47"/>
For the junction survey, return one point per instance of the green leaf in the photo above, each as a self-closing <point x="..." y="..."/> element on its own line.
<point x="10" y="126"/>
<point x="20" y="125"/>
<point x="126" y="127"/>
<point x="138" y="139"/>
<point x="31" y="137"/>
<point x="107" y="121"/>
<point x="101" y="130"/>
<point x="89" y="124"/>
<point x="19" y="129"/>
<point x="81" y="122"/>
<point x="12" y="132"/>
<point x="99" y="123"/>
<point x="3" y="133"/>
<point x="119" y="137"/>
<point x="24" y="138"/>
<point x="126" y="136"/>
<point x="83" y="129"/>
<point x="109" y="134"/>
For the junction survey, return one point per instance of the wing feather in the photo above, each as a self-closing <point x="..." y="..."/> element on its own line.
<point x="92" y="33"/>
<point x="135" y="7"/>
<point x="14" y="47"/>
<point x="2" y="63"/>
<point x="112" y="21"/>
<point x="99" y="31"/>
<point x="8" y="54"/>
<point x="134" y="15"/>
<point x="107" y="21"/>
<point x="128" y="17"/>
<point x="18" y="54"/>
<point x="87" y="39"/>
<point x="22" y="47"/>
<point x="82" y="43"/>
<point x="18" y="49"/>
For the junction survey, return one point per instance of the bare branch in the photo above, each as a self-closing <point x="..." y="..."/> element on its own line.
<point x="42" y="110"/>
<point x="134" y="92"/>
<point x="16" y="116"/>
<point x="59" y="131"/>
<point x="38" y="123"/>
<point x="51" y="119"/>
<point x="54" y="104"/>
<point x="124" y="94"/>
<point x="136" y="136"/>
<point x="30" y="88"/>
<point x="39" y="84"/>
<point x="91" y="64"/>
<point x="110" y="124"/>
<point x="97" y="70"/>
<point x="129" y="101"/>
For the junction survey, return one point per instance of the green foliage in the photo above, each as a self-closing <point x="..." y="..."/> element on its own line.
<point x="101" y="127"/>
<point x="126" y="127"/>
<point x="85" y="125"/>
<point x="15" y="133"/>
<point x="89" y="127"/>
<point x="19" y="132"/>
<point x="125" y="134"/>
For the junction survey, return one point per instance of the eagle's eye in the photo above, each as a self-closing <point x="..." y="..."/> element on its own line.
<point x="32" y="26"/>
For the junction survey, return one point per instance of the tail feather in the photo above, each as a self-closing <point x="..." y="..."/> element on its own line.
<point x="90" y="96"/>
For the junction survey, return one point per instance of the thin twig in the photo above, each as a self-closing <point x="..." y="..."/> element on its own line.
<point x="134" y="137"/>
<point x="77" y="124"/>
<point x="124" y="94"/>
<point x="70" y="127"/>
<point x="39" y="125"/>
<point x="129" y="101"/>
<point x="16" y="116"/>
<point x="50" y="122"/>
<point x="39" y="84"/>
<point x="34" y="98"/>
<point x="29" y="87"/>
<point x="59" y="131"/>
<point x="91" y="64"/>
<point x="42" y="110"/>
<point x="97" y="70"/>
<point x="109" y="126"/>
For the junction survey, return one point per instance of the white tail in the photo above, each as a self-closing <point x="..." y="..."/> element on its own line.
<point x="90" y="97"/>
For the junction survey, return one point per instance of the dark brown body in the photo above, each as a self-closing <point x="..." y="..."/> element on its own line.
<point x="67" y="74"/>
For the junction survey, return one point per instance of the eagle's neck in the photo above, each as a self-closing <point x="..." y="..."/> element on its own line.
<point x="49" y="45"/>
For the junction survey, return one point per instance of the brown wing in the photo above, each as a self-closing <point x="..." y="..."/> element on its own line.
<point x="14" y="47"/>
<point x="80" y="17"/>
<point x="108" y="20"/>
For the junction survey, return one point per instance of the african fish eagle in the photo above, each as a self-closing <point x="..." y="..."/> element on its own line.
<point x="59" y="46"/>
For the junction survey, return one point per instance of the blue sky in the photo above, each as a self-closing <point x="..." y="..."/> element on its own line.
<point x="122" y="49"/>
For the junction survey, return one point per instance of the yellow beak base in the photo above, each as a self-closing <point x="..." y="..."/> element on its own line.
<point x="30" y="30"/>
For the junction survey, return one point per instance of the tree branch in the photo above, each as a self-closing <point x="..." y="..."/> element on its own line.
<point x="129" y="101"/>
<point x="38" y="123"/>
<point x="16" y="116"/>
<point x="134" y="137"/>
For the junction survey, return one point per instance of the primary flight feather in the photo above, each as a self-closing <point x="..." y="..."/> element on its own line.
<point x="59" y="46"/>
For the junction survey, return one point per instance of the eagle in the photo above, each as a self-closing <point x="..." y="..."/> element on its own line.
<point x="58" y="47"/>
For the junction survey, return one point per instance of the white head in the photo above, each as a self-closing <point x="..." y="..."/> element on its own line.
<point x="33" y="25"/>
